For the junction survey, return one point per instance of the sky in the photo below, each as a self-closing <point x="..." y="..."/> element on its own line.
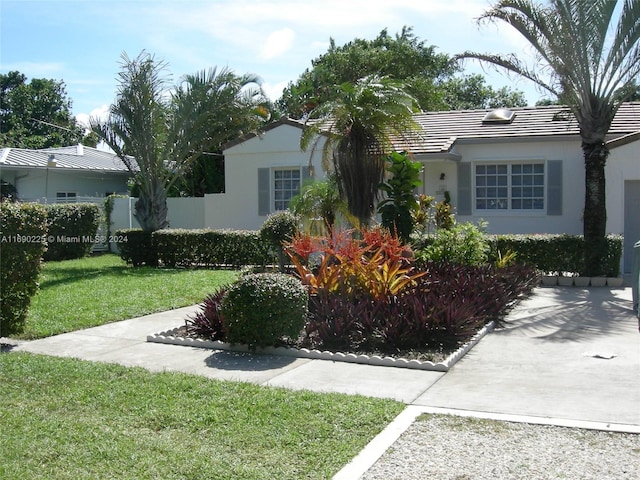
<point x="81" y="41"/>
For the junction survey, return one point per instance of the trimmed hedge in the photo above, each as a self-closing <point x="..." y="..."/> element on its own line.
<point x="555" y="253"/>
<point x="136" y="247"/>
<point x="71" y="230"/>
<point x="23" y="229"/>
<point x="194" y="248"/>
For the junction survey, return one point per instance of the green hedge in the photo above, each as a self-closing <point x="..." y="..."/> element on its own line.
<point x="71" y="230"/>
<point x="555" y="253"/>
<point x="136" y="247"/>
<point x="23" y="229"/>
<point x="194" y="248"/>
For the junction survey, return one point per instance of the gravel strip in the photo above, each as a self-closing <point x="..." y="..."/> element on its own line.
<point x="455" y="448"/>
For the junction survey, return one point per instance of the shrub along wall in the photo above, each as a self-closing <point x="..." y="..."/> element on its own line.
<point x="23" y="229"/>
<point x="194" y="248"/>
<point x="555" y="253"/>
<point x="71" y="230"/>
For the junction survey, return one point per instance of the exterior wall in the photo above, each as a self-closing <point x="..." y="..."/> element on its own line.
<point x="40" y="183"/>
<point x="622" y="173"/>
<point x="237" y="208"/>
<point x="623" y="164"/>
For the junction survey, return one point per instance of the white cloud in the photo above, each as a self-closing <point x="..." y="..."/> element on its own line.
<point x="278" y="43"/>
<point x="100" y="113"/>
<point x="274" y="91"/>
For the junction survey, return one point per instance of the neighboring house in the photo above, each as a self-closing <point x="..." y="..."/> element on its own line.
<point x="66" y="174"/>
<point x="520" y="169"/>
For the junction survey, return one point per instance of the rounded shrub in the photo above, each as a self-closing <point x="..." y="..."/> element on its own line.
<point x="261" y="308"/>
<point x="279" y="227"/>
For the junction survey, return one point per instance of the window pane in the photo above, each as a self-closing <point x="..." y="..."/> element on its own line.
<point x="285" y="186"/>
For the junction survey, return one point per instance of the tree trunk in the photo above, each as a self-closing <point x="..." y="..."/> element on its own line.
<point x="151" y="208"/>
<point x="595" y="210"/>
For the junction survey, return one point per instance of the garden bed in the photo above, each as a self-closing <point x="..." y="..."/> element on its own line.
<point x="178" y="336"/>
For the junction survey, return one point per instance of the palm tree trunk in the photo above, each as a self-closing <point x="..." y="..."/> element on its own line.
<point x="595" y="211"/>
<point x="151" y="208"/>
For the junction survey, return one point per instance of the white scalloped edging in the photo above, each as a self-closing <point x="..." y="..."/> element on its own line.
<point x="168" y="337"/>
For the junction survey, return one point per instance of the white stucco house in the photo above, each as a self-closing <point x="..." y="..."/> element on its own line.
<point x="521" y="170"/>
<point x="65" y="174"/>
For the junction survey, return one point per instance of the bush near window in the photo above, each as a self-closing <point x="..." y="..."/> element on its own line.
<point x="555" y="254"/>
<point x="261" y="308"/>
<point x="461" y="244"/>
<point x="278" y="228"/>
<point x="71" y="229"/>
<point x="23" y="228"/>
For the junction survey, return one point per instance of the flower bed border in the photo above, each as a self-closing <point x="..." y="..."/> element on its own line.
<point x="168" y="337"/>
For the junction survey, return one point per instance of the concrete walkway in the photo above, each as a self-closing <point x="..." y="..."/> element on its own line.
<point x="567" y="356"/>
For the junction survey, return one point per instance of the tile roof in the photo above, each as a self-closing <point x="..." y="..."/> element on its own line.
<point x="441" y="130"/>
<point x="77" y="157"/>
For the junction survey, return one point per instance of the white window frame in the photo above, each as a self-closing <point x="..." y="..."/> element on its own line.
<point x="509" y="186"/>
<point x="282" y="194"/>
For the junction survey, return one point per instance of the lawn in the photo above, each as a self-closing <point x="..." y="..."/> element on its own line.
<point x="76" y="294"/>
<point x="71" y="419"/>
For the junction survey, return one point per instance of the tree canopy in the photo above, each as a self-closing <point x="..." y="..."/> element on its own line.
<point x="430" y="77"/>
<point x="358" y="125"/>
<point x="160" y="130"/>
<point x="36" y="114"/>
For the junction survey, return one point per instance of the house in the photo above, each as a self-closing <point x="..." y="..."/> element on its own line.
<point x="519" y="169"/>
<point x="66" y="174"/>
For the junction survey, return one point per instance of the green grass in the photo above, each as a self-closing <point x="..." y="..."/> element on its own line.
<point x="76" y="294"/>
<point x="71" y="419"/>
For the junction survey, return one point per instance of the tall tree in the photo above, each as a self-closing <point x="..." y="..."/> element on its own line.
<point x="358" y="126"/>
<point x="36" y="114"/>
<point x="588" y="55"/>
<point x="403" y="57"/>
<point x="471" y="91"/>
<point x="159" y="131"/>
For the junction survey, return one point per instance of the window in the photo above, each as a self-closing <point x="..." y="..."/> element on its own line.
<point x="286" y="184"/>
<point x="66" y="197"/>
<point x="516" y="186"/>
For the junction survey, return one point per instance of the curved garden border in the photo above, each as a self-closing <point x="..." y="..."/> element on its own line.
<point x="169" y="337"/>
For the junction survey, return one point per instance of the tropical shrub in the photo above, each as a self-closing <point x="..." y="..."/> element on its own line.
<point x="261" y="308"/>
<point x="208" y="322"/>
<point x="23" y="229"/>
<point x="398" y="208"/>
<point x="443" y="309"/>
<point x="462" y="244"/>
<point x="71" y="230"/>
<point x="376" y="263"/>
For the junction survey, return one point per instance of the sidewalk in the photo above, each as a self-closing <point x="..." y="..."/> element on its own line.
<point x="567" y="356"/>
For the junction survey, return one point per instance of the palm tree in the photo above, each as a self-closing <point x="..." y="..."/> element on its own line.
<point x="319" y="199"/>
<point x="159" y="131"/>
<point x="359" y="125"/>
<point x="587" y="55"/>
